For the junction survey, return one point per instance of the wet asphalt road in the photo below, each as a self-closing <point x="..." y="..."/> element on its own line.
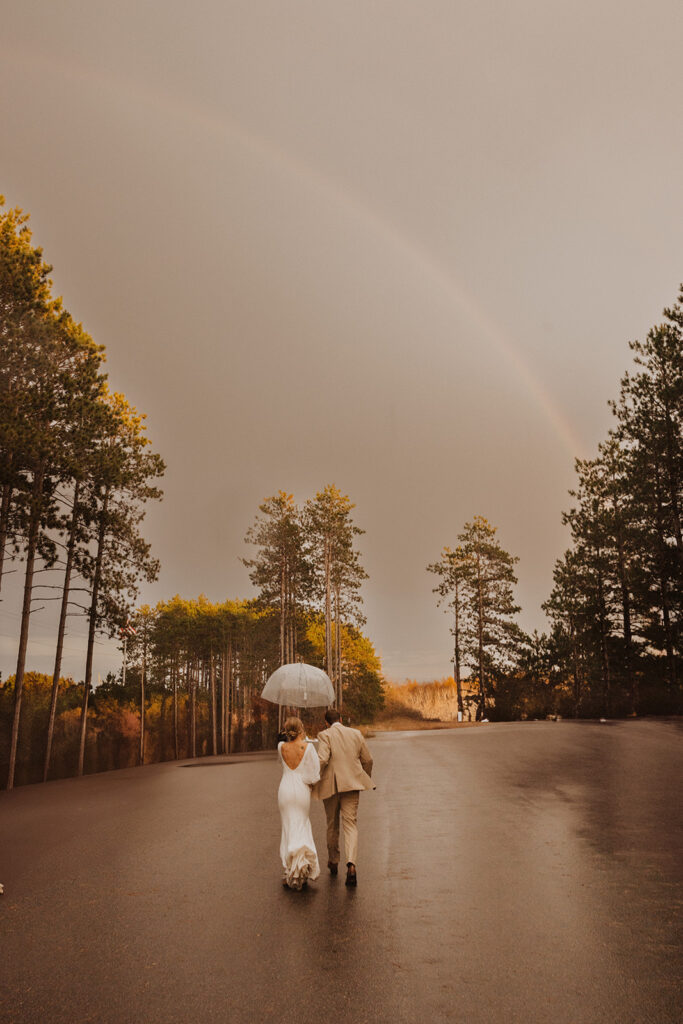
<point x="510" y="873"/>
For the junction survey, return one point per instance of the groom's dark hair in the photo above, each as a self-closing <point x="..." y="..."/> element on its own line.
<point x="332" y="716"/>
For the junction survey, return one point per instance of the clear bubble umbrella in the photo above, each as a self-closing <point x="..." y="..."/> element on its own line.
<point x="299" y="686"/>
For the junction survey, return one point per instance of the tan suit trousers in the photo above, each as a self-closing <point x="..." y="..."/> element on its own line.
<point x="346" y="805"/>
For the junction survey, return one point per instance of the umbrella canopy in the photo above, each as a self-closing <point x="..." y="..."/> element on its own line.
<point x="299" y="685"/>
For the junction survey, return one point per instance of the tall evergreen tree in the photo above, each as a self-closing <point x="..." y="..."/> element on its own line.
<point x="491" y="642"/>
<point x="454" y="571"/>
<point x="281" y="569"/>
<point x="122" y="482"/>
<point x="60" y="362"/>
<point x="617" y="604"/>
<point x="24" y="299"/>
<point x="338" y="573"/>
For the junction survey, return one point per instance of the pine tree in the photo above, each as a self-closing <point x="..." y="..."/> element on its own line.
<point x="454" y="572"/>
<point x="59" y="362"/>
<point x="24" y="300"/>
<point x="489" y="645"/>
<point x="281" y="569"/>
<point x="337" y="571"/>
<point x="121" y="483"/>
<point x="617" y="604"/>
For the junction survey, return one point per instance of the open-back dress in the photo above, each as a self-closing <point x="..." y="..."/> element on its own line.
<point x="297" y="849"/>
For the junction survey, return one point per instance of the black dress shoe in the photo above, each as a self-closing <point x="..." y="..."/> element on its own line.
<point x="351" y="878"/>
<point x="334" y="868"/>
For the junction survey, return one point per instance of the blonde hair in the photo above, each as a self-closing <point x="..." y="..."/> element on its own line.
<point x="292" y="728"/>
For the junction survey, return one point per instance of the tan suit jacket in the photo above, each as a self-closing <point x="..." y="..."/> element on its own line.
<point x="345" y="762"/>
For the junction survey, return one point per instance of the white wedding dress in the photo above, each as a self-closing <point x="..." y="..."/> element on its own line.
<point x="297" y="849"/>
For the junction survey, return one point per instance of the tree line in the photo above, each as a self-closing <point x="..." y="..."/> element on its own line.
<point x="190" y="686"/>
<point x="76" y="470"/>
<point x="210" y="661"/>
<point x="216" y="657"/>
<point x="616" y="608"/>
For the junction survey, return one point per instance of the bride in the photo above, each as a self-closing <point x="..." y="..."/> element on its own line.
<point x="300" y="770"/>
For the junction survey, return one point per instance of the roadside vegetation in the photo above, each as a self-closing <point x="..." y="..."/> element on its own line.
<point x="77" y="472"/>
<point x="616" y="607"/>
<point x="434" y="705"/>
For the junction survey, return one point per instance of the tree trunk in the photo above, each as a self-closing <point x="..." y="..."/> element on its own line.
<point x="292" y="622"/>
<point x="481" y="711"/>
<point x="291" y="616"/>
<point x="328" y="612"/>
<point x="604" y="653"/>
<point x="71" y="547"/>
<point x="337" y="647"/>
<point x="283" y="614"/>
<point x="629" y="672"/>
<point x="193" y="713"/>
<point x="663" y="578"/>
<point x="224" y="666"/>
<point x="456" y="651"/>
<point x="175" y="669"/>
<point x="672" y="459"/>
<point x="5" y="506"/>
<point x="214" y="723"/>
<point x="666" y="621"/>
<point x="92" y="625"/>
<point x="575" y="662"/>
<point x="34" y="529"/>
<point x="142" y="694"/>
<point x="188" y="708"/>
<point x="230" y="696"/>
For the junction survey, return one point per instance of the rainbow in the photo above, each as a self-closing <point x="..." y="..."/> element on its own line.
<point x="413" y="253"/>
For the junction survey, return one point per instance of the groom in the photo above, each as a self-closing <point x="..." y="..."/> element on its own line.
<point x="345" y="769"/>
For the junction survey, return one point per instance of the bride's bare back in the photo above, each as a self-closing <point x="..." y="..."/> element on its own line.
<point x="293" y="752"/>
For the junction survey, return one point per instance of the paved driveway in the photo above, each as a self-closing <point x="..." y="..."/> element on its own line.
<point x="522" y="872"/>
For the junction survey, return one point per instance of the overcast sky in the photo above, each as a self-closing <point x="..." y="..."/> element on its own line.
<point x="400" y="247"/>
